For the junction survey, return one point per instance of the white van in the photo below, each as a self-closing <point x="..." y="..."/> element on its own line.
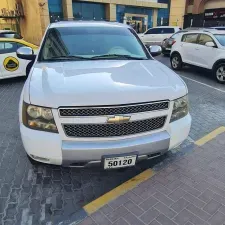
<point x="155" y="35"/>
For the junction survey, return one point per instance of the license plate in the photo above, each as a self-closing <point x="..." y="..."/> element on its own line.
<point x="168" y="49"/>
<point x="119" y="162"/>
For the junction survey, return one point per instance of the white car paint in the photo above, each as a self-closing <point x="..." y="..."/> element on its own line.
<point x="156" y="35"/>
<point x="100" y="83"/>
<point x="200" y="55"/>
<point x="8" y="49"/>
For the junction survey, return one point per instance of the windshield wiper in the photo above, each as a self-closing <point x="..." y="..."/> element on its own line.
<point x="114" y="56"/>
<point x="67" y="57"/>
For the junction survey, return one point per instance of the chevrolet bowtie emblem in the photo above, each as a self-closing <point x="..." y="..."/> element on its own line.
<point x="118" y="119"/>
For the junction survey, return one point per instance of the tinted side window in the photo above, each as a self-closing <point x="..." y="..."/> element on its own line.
<point x="154" y="31"/>
<point x="204" y="38"/>
<point x="7" y="47"/>
<point x="190" y="38"/>
<point x="168" y="30"/>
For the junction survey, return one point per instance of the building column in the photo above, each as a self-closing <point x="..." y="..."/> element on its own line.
<point x="111" y="12"/>
<point x="67" y="9"/>
<point x="155" y="17"/>
<point x="44" y="16"/>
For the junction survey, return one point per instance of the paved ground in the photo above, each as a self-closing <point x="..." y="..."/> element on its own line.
<point x="190" y="191"/>
<point x="44" y="194"/>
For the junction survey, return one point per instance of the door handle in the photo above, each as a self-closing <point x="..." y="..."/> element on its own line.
<point x="196" y="48"/>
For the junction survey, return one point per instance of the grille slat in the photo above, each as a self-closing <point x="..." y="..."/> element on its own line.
<point x="127" y="109"/>
<point x="113" y="130"/>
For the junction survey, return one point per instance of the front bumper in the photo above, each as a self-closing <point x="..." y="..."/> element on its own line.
<point x="50" y="148"/>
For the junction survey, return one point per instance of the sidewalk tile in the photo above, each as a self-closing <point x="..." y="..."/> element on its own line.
<point x="180" y="205"/>
<point x="87" y="221"/>
<point x="136" y="210"/>
<point x="150" y="215"/>
<point x="185" y="216"/>
<point x="118" y="201"/>
<point x="177" y="194"/>
<point x="135" y="198"/>
<point x="206" y="196"/>
<point x="121" y="221"/>
<point x="154" y="222"/>
<point x="165" y="210"/>
<point x="196" y="201"/>
<point x="100" y="219"/>
<point x="116" y="214"/>
<point x="162" y="198"/>
<point x="132" y="220"/>
<point x="159" y="187"/>
<point x="174" y="184"/>
<point x="151" y="201"/>
<point x="212" y="207"/>
<point x="106" y="209"/>
<point x="198" y="212"/>
<point x="164" y="220"/>
<point x="217" y="219"/>
<point x="190" y="190"/>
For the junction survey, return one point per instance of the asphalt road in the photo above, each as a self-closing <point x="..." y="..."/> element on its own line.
<point x="43" y="194"/>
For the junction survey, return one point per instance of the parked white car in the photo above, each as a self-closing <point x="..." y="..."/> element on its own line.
<point x="95" y="96"/>
<point x="156" y="35"/>
<point x="205" y="48"/>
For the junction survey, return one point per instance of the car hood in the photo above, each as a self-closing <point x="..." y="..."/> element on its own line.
<point x="103" y="82"/>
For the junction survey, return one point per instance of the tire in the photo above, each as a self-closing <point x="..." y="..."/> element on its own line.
<point x="219" y="73"/>
<point x="176" y="61"/>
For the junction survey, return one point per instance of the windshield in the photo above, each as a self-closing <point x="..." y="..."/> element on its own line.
<point x="221" y="38"/>
<point x="82" y="43"/>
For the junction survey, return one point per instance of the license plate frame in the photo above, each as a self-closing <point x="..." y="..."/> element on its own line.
<point x="119" y="158"/>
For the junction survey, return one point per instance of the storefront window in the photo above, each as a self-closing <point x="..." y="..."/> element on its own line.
<point x="139" y="18"/>
<point x="163" y="17"/>
<point x="55" y="10"/>
<point x="88" y="11"/>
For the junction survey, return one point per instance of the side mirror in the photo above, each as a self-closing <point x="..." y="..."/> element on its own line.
<point x="155" y="50"/>
<point x="25" y="53"/>
<point x="210" y="44"/>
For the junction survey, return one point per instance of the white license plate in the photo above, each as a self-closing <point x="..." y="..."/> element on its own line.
<point x="118" y="162"/>
<point x="168" y="49"/>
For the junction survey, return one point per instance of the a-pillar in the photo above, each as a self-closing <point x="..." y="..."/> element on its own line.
<point x="67" y="9"/>
<point x="111" y="12"/>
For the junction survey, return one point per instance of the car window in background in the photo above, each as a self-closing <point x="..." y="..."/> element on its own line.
<point x="167" y="30"/>
<point x="190" y="38"/>
<point x="204" y="38"/>
<point x="11" y="35"/>
<point x="90" y="42"/>
<point x="154" y="31"/>
<point x="7" y="47"/>
<point x="220" y="38"/>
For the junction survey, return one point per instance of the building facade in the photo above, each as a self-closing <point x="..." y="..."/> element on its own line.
<point x="37" y="14"/>
<point x="204" y="13"/>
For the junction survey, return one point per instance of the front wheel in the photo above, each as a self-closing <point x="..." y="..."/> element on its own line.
<point x="176" y="62"/>
<point x="219" y="73"/>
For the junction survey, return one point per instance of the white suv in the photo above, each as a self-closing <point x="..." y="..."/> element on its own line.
<point x="204" y="49"/>
<point x="95" y="96"/>
<point x="156" y="35"/>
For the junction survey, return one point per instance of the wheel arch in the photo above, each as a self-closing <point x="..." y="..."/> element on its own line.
<point x="217" y="63"/>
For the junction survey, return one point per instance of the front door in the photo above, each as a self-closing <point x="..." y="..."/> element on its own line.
<point x="205" y="55"/>
<point x="11" y="65"/>
<point x="188" y="48"/>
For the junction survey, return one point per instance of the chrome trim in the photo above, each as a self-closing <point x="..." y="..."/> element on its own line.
<point x="113" y="106"/>
<point x="125" y="136"/>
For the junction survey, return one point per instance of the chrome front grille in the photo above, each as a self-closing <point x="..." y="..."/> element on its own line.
<point x="113" y="110"/>
<point x="113" y="130"/>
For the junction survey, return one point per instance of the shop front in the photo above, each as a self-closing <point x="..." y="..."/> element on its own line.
<point x="214" y="17"/>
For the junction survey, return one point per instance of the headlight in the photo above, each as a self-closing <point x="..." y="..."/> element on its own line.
<point x="180" y="108"/>
<point x="38" y="118"/>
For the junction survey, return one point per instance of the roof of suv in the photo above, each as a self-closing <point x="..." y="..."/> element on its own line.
<point x="211" y="31"/>
<point x="87" y="24"/>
